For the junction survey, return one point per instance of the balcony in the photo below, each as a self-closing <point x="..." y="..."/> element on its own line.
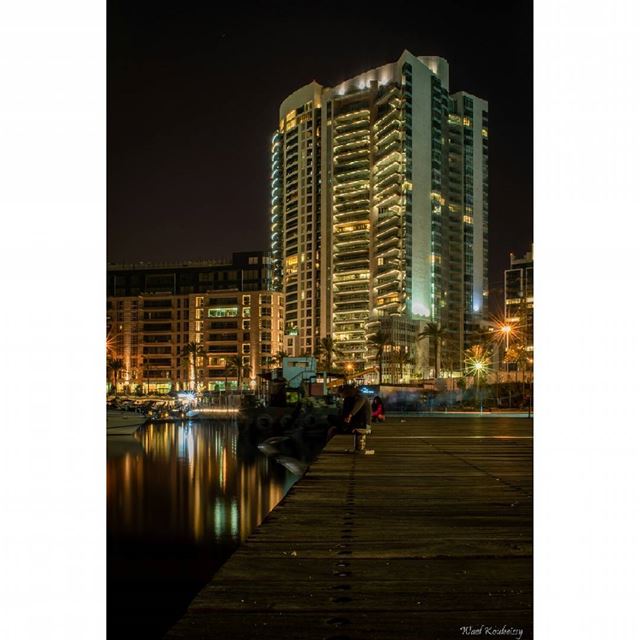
<point x="349" y="237"/>
<point x="383" y="290"/>
<point x="388" y="231"/>
<point x="388" y="271"/>
<point x="389" y="243"/>
<point x="388" y="181"/>
<point x="382" y="171"/>
<point x="355" y="142"/>
<point x="157" y="328"/>
<point x="344" y="264"/>
<point x="352" y="197"/>
<point x="360" y="214"/>
<point x="357" y="250"/>
<point x="392" y="125"/>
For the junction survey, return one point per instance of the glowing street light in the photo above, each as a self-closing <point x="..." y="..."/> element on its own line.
<point x="349" y="369"/>
<point x="111" y="345"/>
<point x="477" y="365"/>
<point x="506" y="330"/>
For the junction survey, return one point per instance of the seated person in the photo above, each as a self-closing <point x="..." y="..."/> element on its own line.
<point x="377" y="410"/>
<point x="278" y="393"/>
<point x="356" y="412"/>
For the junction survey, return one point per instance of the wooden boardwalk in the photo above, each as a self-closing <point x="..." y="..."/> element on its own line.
<point x="430" y="534"/>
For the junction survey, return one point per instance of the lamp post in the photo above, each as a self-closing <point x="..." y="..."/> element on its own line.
<point x="506" y="330"/>
<point x="477" y="365"/>
<point x="349" y="368"/>
<point x="479" y="368"/>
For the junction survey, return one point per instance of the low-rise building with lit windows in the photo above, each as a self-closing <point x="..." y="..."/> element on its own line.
<point x="226" y="308"/>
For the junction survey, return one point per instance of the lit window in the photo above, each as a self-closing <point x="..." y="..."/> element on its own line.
<point x="291" y="265"/>
<point x="222" y="312"/>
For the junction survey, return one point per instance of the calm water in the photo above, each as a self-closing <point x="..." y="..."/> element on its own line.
<point x="180" y="499"/>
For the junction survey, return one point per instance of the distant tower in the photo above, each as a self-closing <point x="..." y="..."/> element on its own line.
<point x="518" y="295"/>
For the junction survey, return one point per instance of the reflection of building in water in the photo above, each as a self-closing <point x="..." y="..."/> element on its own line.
<point x="126" y="471"/>
<point x="192" y="482"/>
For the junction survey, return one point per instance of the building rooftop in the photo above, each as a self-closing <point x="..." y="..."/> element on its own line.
<point x="185" y="264"/>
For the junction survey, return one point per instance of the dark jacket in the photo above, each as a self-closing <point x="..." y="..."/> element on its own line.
<point x="359" y="408"/>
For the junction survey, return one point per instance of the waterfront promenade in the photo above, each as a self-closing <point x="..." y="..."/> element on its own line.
<point x="429" y="538"/>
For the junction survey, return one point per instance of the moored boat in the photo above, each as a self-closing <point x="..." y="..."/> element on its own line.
<point x="122" y="423"/>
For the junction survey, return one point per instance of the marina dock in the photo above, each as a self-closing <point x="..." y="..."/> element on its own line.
<point x="430" y="537"/>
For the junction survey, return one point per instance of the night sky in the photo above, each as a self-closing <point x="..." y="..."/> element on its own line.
<point x="194" y="92"/>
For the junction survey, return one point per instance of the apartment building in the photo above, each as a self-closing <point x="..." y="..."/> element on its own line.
<point x="226" y="308"/>
<point x="379" y="211"/>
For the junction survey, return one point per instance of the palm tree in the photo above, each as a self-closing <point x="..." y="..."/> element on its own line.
<point x="325" y="352"/>
<point x="236" y="364"/>
<point x="478" y="353"/>
<point x="279" y="357"/>
<point x="115" y="365"/>
<point x="518" y="353"/>
<point x="191" y="352"/>
<point x="434" y="330"/>
<point x="379" y="341"/>
<point x="402" y="358"/>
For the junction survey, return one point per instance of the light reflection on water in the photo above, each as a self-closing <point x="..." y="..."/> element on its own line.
<point x="189" y="482"/>
<point x="180" y="498"/>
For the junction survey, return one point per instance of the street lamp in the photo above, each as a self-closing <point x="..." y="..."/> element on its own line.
<point x="478" y="365"/>
<point x="349" y="369"/>
<point x="480" y="368"/>
<point x="506" y="329"/>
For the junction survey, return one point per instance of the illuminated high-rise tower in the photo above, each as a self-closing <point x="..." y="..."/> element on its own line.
<point x="295" y="214"/>
<point x="380" y="210"/>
